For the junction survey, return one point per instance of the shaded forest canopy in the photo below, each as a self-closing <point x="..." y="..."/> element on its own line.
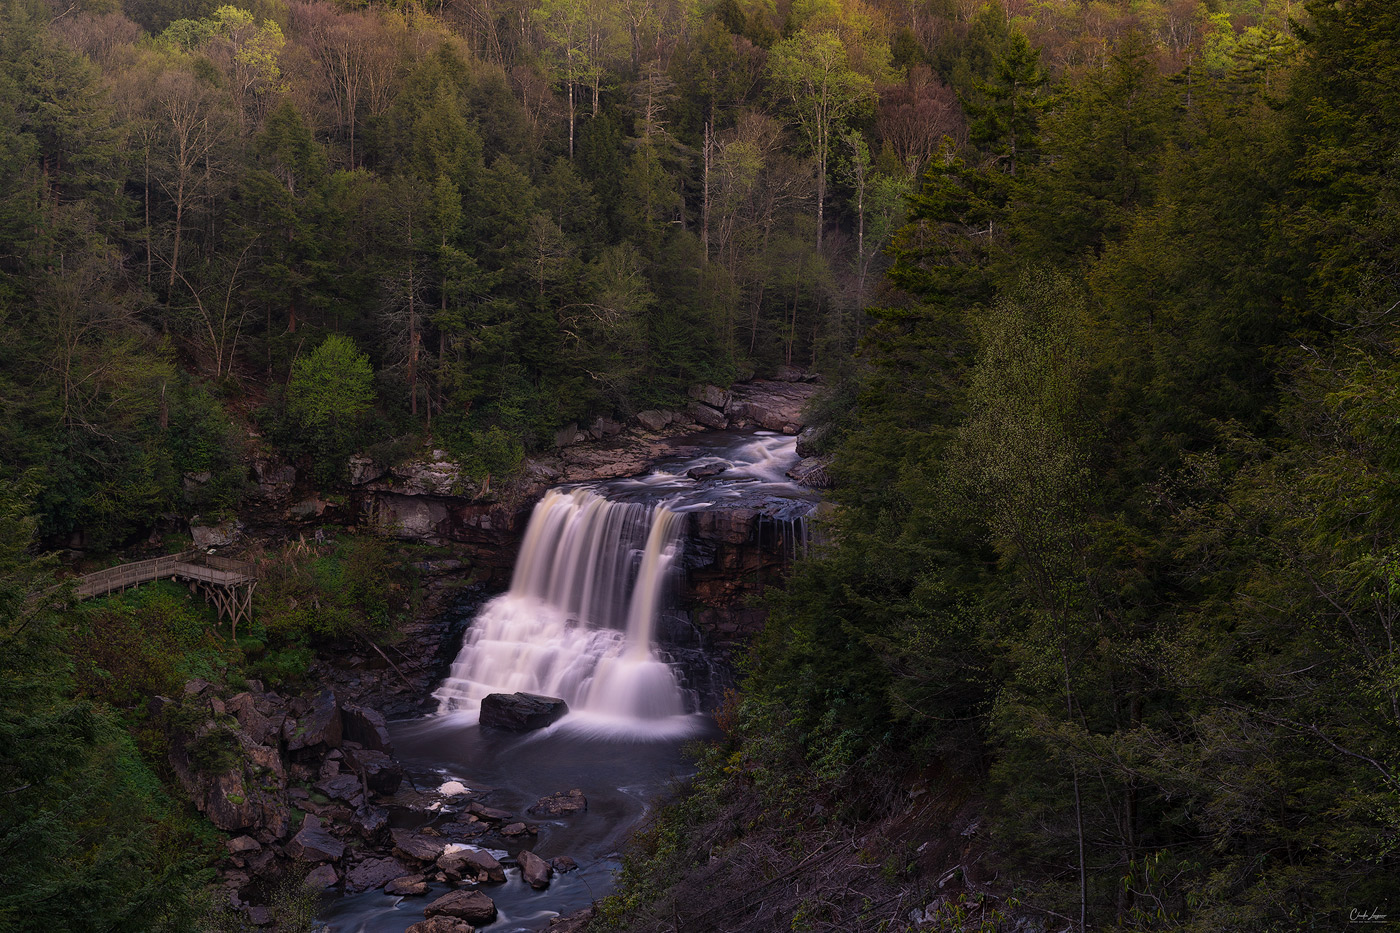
<point x="1103" y="291"/>
<point x="521" y="214"/>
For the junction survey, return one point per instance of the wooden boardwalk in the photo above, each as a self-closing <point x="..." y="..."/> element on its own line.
<point x="225" y="582"/>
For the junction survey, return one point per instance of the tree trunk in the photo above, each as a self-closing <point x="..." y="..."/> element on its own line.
<point x="1078" y="803"/>
<point x="571" y="121"/>
<point x="147" y="189"/>
<point x="707" y="150"/>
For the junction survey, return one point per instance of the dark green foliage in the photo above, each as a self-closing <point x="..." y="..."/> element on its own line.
<point x="88" y="839"/>
<point x="1113" y="528"/>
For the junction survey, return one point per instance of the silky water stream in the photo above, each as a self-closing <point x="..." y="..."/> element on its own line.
<point x="596" y="576"/>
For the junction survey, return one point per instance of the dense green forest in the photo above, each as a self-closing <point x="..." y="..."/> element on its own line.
<point x="1102" y="292"/>
<point x="1116" y="538"/>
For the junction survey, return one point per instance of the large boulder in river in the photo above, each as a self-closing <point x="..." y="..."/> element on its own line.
<point x="374" y="873"/>
<point x="521" y="712"/>
<point x="472" y="865"/>
<point x="560" y="804"/>
<point x="534" y="870"/>
<point x="471" y="906"/>
<point x="417" y="848"/>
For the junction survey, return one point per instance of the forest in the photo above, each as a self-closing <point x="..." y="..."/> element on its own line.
<point x="1101" y="294"/>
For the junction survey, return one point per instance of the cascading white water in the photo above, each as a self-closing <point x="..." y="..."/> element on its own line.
<point x="578" y="619"/>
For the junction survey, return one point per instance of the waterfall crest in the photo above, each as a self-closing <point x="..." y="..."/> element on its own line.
<point x="578" y="619"/>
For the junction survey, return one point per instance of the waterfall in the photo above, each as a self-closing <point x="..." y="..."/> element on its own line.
<point x="578" y="619"/>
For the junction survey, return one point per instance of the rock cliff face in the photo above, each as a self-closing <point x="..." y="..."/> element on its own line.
<point x="429" y="499"/>
<point x="731" y="556"/>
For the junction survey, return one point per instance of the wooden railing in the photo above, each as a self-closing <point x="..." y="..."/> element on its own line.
<point x="120" y="577"/>
<point x="225" y="582"/>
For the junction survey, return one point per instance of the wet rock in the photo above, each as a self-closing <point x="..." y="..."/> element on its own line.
<point x="521" y="712"/>
<point x="407" y="886"/>
<point x="323" y="876"/>
<point x="471" y="906"/>
<point x="366" y="726"/>
<point x="372" y="823"/>
<point x="490" y="814"/>
<point x="416" y="847"/>
<point x="472" y="865"/>
<point x="707" y="471"/>
<point x="321" y="725"/>
<point x="382" y="773"/>
<point x="560" y="804"/>
<point x="563" y="864"/>
<point x="441" y="925"/>
<point x="314" y="844"/>
<point x="708" y="417"/>
<point x="374" y="873"/>
<point x="346" y="787"/>
<point x="463" y="830"/>
<point x="811" y="472"/>
<point x="534" y="870"/>
<point x="518" y="829"/>
<point x="727" y="526"/>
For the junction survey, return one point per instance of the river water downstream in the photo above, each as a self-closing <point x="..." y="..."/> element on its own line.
<point x="598" y="569"/>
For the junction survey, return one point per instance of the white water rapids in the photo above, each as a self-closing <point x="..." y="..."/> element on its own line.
<point x="578" y="621"/>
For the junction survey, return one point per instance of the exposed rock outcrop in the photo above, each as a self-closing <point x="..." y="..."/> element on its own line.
<point x="313" y="844"/>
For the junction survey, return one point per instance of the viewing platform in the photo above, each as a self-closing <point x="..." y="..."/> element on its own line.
<point x="226" y="583"/>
